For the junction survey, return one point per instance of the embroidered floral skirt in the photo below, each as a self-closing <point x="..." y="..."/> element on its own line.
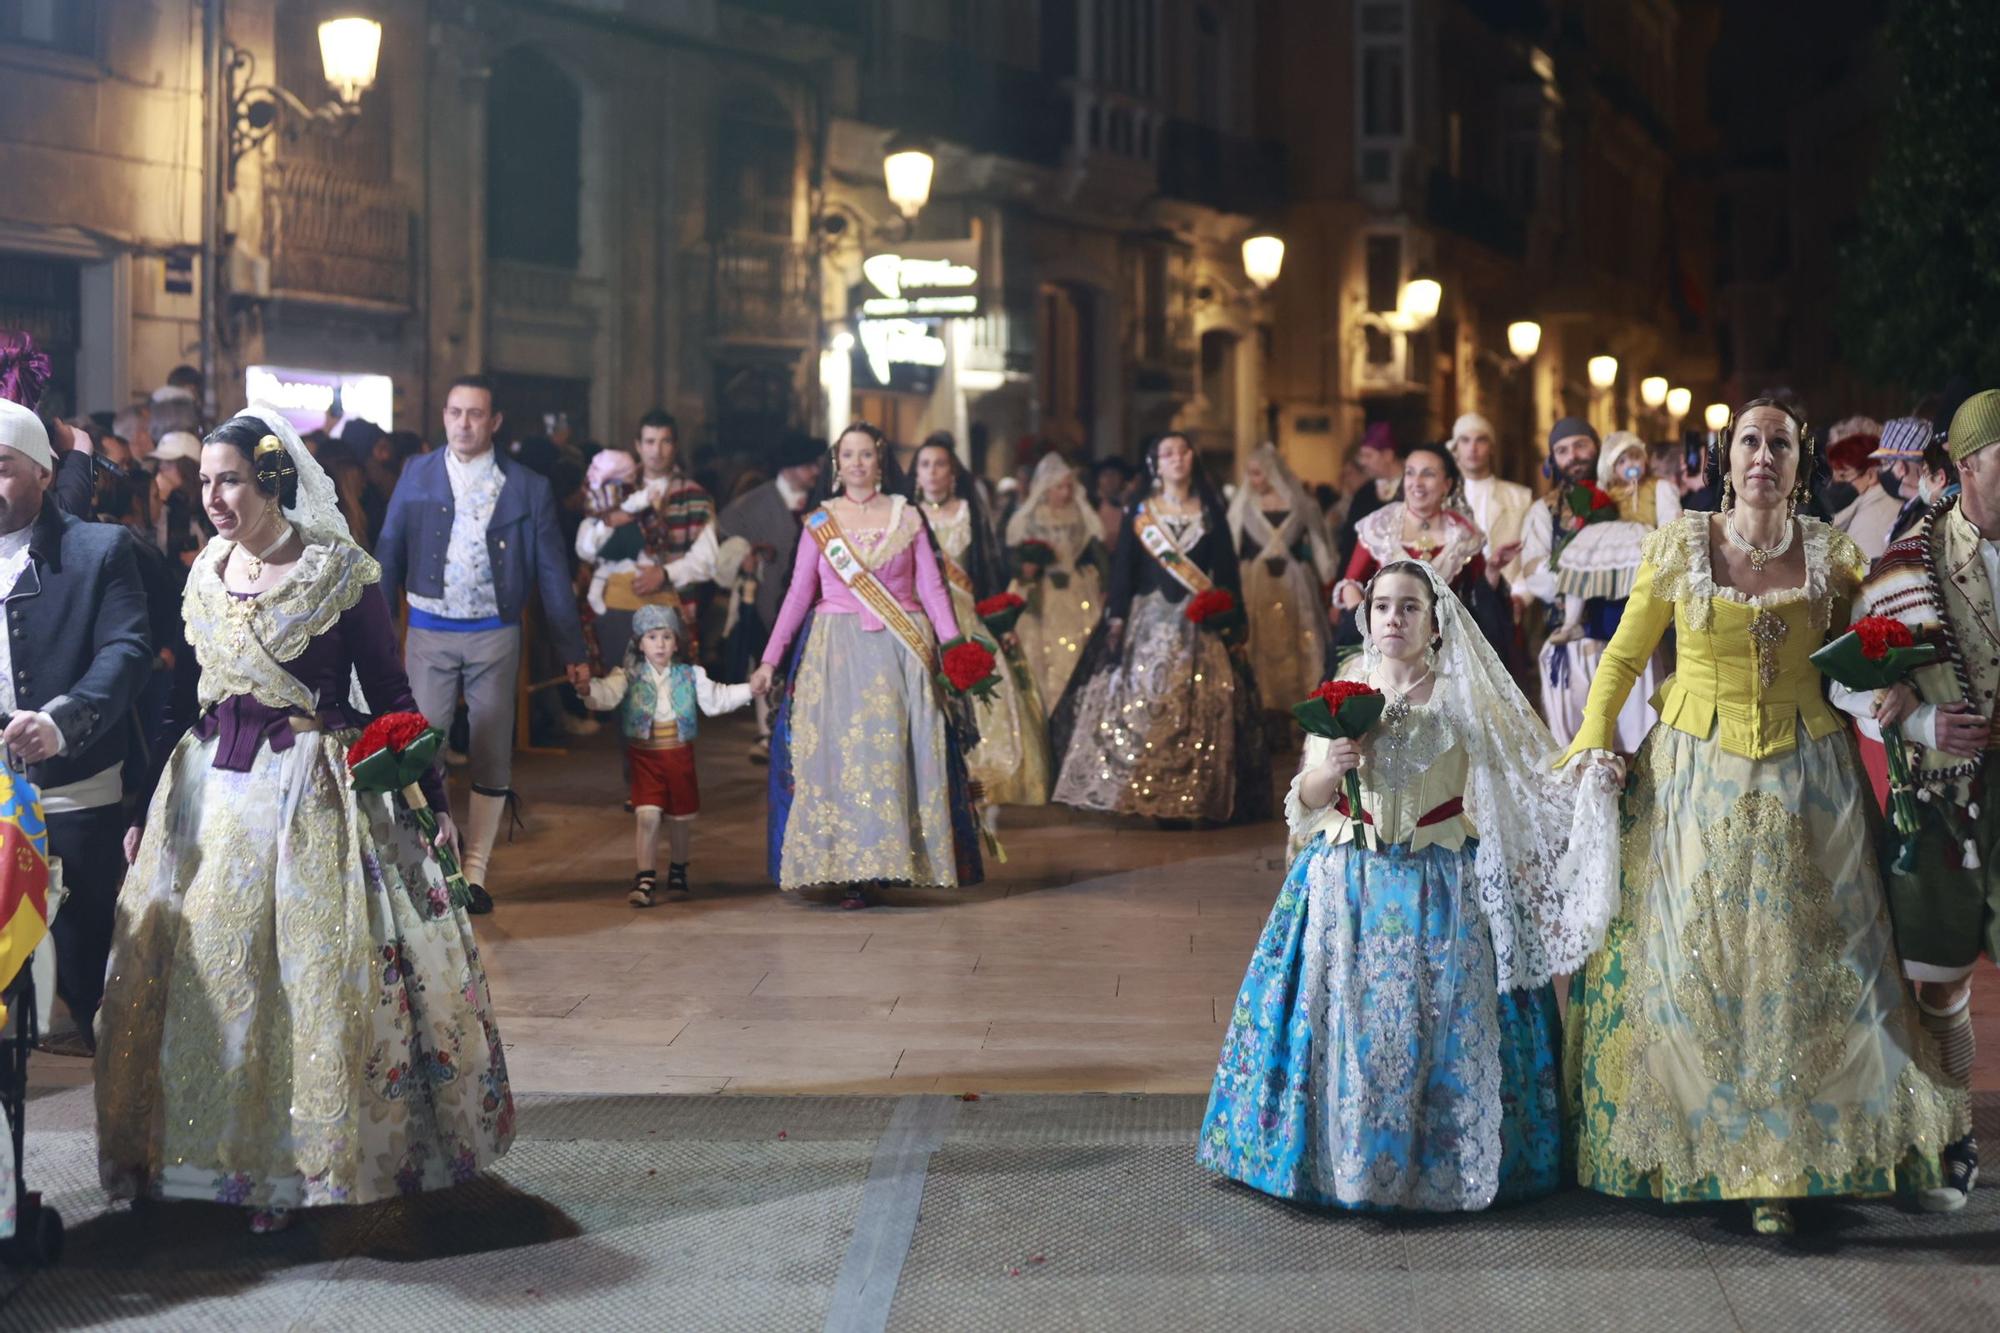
<point x="1288" y="632"/>
<point x="1158" y="728"/>
<point x="1055" y="625"/>
<point x="1012" y="758"/>
<point x="871" y="797"/>
<point x="1370" y="1062"/>
<point x="294" y="1015"/>
<point x="1744" y="1032"/>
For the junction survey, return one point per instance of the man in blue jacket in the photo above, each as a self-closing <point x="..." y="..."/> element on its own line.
<point x="72" y="662"/>
<point x="467" y="533"/>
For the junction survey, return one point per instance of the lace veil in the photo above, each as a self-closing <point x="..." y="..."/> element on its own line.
<point x="1547" y="864"/>
<point x="1035" y="516"/>
<point x="1304" y="508"/>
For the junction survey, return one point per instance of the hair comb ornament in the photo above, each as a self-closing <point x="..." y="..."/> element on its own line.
<point x="275" y="469"/>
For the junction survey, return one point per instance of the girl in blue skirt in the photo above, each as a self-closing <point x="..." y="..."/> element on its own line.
<point x="1394" y="1042"/>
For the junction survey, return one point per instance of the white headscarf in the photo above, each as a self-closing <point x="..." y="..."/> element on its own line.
<point x="1547" y="862"/>
<point x="1305" y="519"/>
<point x="1035" y="514"/>
<point x="23" y="432"/>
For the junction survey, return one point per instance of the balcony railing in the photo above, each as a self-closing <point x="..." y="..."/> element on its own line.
<point x="333" y="236"/>
<point x="760" y="289"/>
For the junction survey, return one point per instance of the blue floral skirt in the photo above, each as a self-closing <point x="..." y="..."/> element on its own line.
<point x="1371" y="1062"/>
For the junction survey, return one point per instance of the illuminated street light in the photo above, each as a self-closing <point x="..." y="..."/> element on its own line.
<point x="1679" y="400"/>
<point x="1524" y="339"/>
<point x="1603" y="371"/>
<point x="1653" y="390"/>
<point x="348" y="50"/>
<point x="1716" y="416"/>
<point x="907" y="168"/>
<point x="1419" y="300"/>
<point x="1263" y="258"/>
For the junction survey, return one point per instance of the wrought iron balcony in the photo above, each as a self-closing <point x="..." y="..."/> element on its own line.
<point x="333" y="237"/>
<point x="760" y="289"/>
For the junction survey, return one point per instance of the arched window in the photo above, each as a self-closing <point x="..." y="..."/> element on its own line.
<point x="534" y="137"/>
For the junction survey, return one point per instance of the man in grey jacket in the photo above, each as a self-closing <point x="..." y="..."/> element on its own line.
<point x="466" y="533"/>
<point x="769" y="517"/>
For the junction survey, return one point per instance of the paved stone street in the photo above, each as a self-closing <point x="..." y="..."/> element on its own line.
<point x="1079" y="995"/>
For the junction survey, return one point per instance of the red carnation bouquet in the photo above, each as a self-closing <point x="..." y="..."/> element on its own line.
<point x="966" y="667"/>
<point x="1001" y="610"/>
<point x="391" y="755"/>
<point x="1215" y="609"/>
<point x="1349" y="709"/>
<point x="1590" y="503"/>
<point x="1878" y="653"/>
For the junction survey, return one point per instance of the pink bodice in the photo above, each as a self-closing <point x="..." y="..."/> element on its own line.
<point x="910" y="574"/>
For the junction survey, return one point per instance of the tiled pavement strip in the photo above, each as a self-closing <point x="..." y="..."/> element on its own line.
<point x="1101" y="959"/>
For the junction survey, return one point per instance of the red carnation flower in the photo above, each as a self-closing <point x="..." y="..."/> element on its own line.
<point x="391" y="731"/>
<point x="1880" y="634"/>
<point x="1599" y="499"/>
<point x="966" y="664"/>
<point x="1338" y="692"/>
<point x="1214" y="602"/>
<point x="1000" y="603"/>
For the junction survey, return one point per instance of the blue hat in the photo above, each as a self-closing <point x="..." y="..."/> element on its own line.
<point x="1903" y="438"/>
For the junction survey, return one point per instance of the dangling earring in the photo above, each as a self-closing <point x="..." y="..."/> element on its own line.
<point x="1371" y="656"/>
<point x="1728" y="494"/>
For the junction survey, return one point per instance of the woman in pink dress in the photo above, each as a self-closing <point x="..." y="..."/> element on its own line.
<point x="867" y="776"/>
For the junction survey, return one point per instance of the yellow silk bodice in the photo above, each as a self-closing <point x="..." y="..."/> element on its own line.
<point x="1744" y="669"/>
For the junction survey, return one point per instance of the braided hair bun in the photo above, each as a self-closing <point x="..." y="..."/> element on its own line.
<point x="270" y="464"/>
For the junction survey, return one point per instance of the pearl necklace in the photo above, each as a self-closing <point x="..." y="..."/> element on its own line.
<point x="254" y="565"/>
<point x="1759" y="555"/>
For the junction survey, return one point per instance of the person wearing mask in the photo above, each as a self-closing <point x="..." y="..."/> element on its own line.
<point x="73" y="659"/>
<point x="1499" y="507"/>
<point x="1861" y="508"/>
<point x="468" y="533"/>
<point x="1913" y="465"/>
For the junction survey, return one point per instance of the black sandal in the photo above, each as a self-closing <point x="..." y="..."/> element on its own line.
<point x="677" y="882"/>
<point x="643" y="885"/>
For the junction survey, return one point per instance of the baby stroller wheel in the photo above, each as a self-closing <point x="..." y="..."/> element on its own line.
<point x="38" y="1236"/>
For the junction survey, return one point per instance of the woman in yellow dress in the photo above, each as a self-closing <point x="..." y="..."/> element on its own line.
<point x="1743" y="1033"/>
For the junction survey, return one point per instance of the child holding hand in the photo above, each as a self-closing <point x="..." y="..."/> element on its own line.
<point x="657" y="696"/>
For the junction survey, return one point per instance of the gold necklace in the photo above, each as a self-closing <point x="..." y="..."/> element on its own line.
<point x="254" y="565"/>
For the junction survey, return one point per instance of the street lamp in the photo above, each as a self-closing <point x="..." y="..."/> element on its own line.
<point x="1679" y="400"/>
<point x="907" y="168"/>
<point x="1263" y="258"/>
<point x="1419" y="300"/>
<point x="1524" y="339"/>
<point x="1603" y="371"/>
<point x="350" y="50"/>
<point x="1716" y="417"/>
<point x="1653" y="390"/>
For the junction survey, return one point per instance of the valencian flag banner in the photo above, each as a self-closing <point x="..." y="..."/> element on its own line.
<point x="24" y="875"/>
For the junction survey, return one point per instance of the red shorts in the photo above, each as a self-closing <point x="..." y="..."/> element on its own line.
<point x="665" y="778"/>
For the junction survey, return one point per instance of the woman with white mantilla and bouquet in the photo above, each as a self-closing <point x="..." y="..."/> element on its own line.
<point x="1059" y="551"/>
<point x="1287" y="562"/>
<point x="1394" y="1043"/>
<point x="296" y="1014"/>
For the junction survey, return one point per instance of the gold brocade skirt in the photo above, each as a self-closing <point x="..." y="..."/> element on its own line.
<point x="1744" y="1032"/>
<point x="871" y="793"/>
<point x="1055" y="625"/>
<point x="294" y="1013"/>
<point x="1011" y="760"/>
<point x="1288" y="632"/>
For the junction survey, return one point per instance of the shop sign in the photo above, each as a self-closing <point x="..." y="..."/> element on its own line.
<point x="921" y="279"/>
<point x="900" y="354"/>
<point x="306" y="397"/>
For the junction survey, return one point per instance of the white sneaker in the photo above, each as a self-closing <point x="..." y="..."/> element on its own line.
<point x="580" y="726"/>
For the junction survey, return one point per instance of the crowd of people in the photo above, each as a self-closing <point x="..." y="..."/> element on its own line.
<point x="1603" y="763"/>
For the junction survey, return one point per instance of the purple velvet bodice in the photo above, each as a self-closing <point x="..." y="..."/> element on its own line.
<point x="362" y="641"/>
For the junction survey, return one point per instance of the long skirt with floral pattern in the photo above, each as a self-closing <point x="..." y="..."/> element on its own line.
<point x="1744" y="1032"/>
<point x="1371" y="1063"/>
<point x="294" y="1013"/>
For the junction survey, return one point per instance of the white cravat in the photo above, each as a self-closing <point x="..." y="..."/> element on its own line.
<point x="794" y="498"/>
